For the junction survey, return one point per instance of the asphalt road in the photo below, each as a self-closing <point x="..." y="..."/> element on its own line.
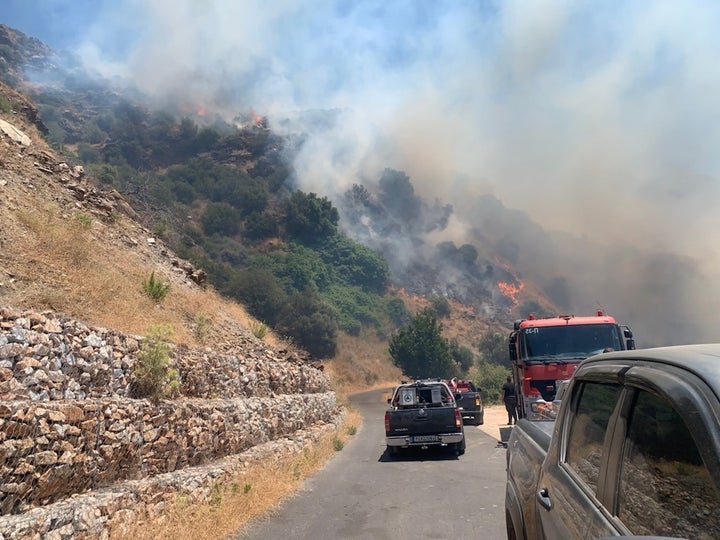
<point x="362" y="494"/>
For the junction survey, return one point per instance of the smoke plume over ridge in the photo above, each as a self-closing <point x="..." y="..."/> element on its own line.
<point x="582" y="134"/>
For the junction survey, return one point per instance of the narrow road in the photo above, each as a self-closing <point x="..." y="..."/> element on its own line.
<point x="362" y="494"/>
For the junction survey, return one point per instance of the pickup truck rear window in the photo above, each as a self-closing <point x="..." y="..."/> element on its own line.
<point x="587" y="430"/>
<point x="665" y="489"/>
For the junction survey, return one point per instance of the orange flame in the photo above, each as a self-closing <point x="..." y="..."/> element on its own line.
<point x="510" y="290"/>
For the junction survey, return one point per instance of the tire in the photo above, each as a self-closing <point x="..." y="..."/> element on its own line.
<point x="510" y="527"/>
<point x="459" y="448"/>
<point x="393" y="451"/>
<point x="480" y="419"/>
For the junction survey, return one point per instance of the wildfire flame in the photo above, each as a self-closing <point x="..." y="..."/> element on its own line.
<point x="510" y="290"/>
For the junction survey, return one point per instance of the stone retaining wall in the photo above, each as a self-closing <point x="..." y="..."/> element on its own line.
<point x="68" y="429"/>
<point x="111" y="512"/>
<point x="51" y="451"/>
<point x="47" y="357"/>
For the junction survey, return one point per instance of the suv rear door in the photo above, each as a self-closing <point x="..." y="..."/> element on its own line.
<point x="629" y="460"/>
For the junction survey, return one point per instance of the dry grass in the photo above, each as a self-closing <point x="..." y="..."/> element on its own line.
<point x="363" y="363"/>
<point x="67" y="265"/>
<point x="257" y="491"/>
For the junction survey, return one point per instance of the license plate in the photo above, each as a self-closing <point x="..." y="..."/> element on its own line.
<point x="424" y="438"/>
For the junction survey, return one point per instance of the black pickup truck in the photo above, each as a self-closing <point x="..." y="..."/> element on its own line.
<point x="634" y="451"/>
<point x="469" y="401"/>
<point x="423" y="414"/>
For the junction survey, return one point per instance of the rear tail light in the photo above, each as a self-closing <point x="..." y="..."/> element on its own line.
<point x="477" y="401"/>
<point x="458" y="418"/>
<point x="387" y="421"/>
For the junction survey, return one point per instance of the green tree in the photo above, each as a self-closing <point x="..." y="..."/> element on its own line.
<point x="260" y="225"/>
<point x="420" y="350"/>
<point x="397" y="195"/>
<point x="310" y="323"/>
<point x="462" y="355"/>
<point x="493" y="347"/>
<point x="309" y="218"/>
<point x="260" y="291"/>
<point x="398" y="312"/>
<point x="220" y="218"/>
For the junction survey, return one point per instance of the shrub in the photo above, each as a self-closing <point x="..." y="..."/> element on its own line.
<point x="84" y="220"/>
<point x="154" y="288"/>
<point x="338" y="444"/>
<point x="5" y="105"/>
<point x="153" y="377"/>
<point x="220" y="218"/>
<point x="440" y="305"/>
<point x="310" y="323"/>
<point x="490" y="378"/>
<point x="201" y="331"/>
<point x="258" y="329"/>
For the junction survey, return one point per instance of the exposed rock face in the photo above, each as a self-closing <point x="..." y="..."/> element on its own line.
<point x="73" y="443"/>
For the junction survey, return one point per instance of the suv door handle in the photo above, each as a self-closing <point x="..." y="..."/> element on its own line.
<point x="544" y="499"/>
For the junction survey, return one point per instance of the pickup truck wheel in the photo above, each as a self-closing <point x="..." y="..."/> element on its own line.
<point x="459" y="448"/>
<point x="510" y="527"/>
<point x="393" y="451"/>
<point x="480" y="419"/>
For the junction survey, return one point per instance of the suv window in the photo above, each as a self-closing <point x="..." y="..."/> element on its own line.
<point x="665" y="489"/>
<point x="587" y="430"/>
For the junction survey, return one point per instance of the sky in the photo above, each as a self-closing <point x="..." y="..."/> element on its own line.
<point x="600" y="120"/>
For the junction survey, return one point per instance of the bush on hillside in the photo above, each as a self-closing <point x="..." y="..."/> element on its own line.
<point x="310" y="324"/>
<point x="489" y="378"/>
<point x="154" y="288"/>
<point x="310" y="219"/>
<point x="153" y="377"/>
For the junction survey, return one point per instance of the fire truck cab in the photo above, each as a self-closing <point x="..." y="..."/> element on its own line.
<point x="545" y="351"/>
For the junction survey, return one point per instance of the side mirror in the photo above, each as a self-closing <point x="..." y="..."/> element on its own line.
<point x="631" y="344"/>
<point x="389" y="400"/>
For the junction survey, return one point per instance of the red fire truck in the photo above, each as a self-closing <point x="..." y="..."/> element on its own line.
<point x="545" y="351"/>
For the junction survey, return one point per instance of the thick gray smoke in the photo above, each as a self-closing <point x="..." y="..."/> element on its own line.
<point x="578" y="137"/>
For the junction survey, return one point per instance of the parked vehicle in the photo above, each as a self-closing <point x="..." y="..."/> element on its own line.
<point x="423" y="414"/>
<point x="634" y="450"/>
<point x="469" y="400"/>
<point x="546" y="351"/>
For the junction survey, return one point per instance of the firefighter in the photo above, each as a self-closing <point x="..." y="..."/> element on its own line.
<point x="510" y="400"/>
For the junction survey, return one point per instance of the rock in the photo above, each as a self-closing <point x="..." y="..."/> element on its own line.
<point x="14" y="133"/>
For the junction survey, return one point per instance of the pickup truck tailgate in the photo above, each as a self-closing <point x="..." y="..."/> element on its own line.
<point x="422" y="421"/>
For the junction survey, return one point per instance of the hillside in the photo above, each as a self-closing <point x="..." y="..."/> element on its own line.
<point x="73" y="316"/>
<point x="70" y="247"/>
<point x="222" y="195"/>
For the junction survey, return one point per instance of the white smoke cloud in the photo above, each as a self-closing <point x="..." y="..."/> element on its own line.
<point x="596" y="119"/>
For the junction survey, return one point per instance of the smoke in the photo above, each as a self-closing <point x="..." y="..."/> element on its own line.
<point x="584" y="134"/>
